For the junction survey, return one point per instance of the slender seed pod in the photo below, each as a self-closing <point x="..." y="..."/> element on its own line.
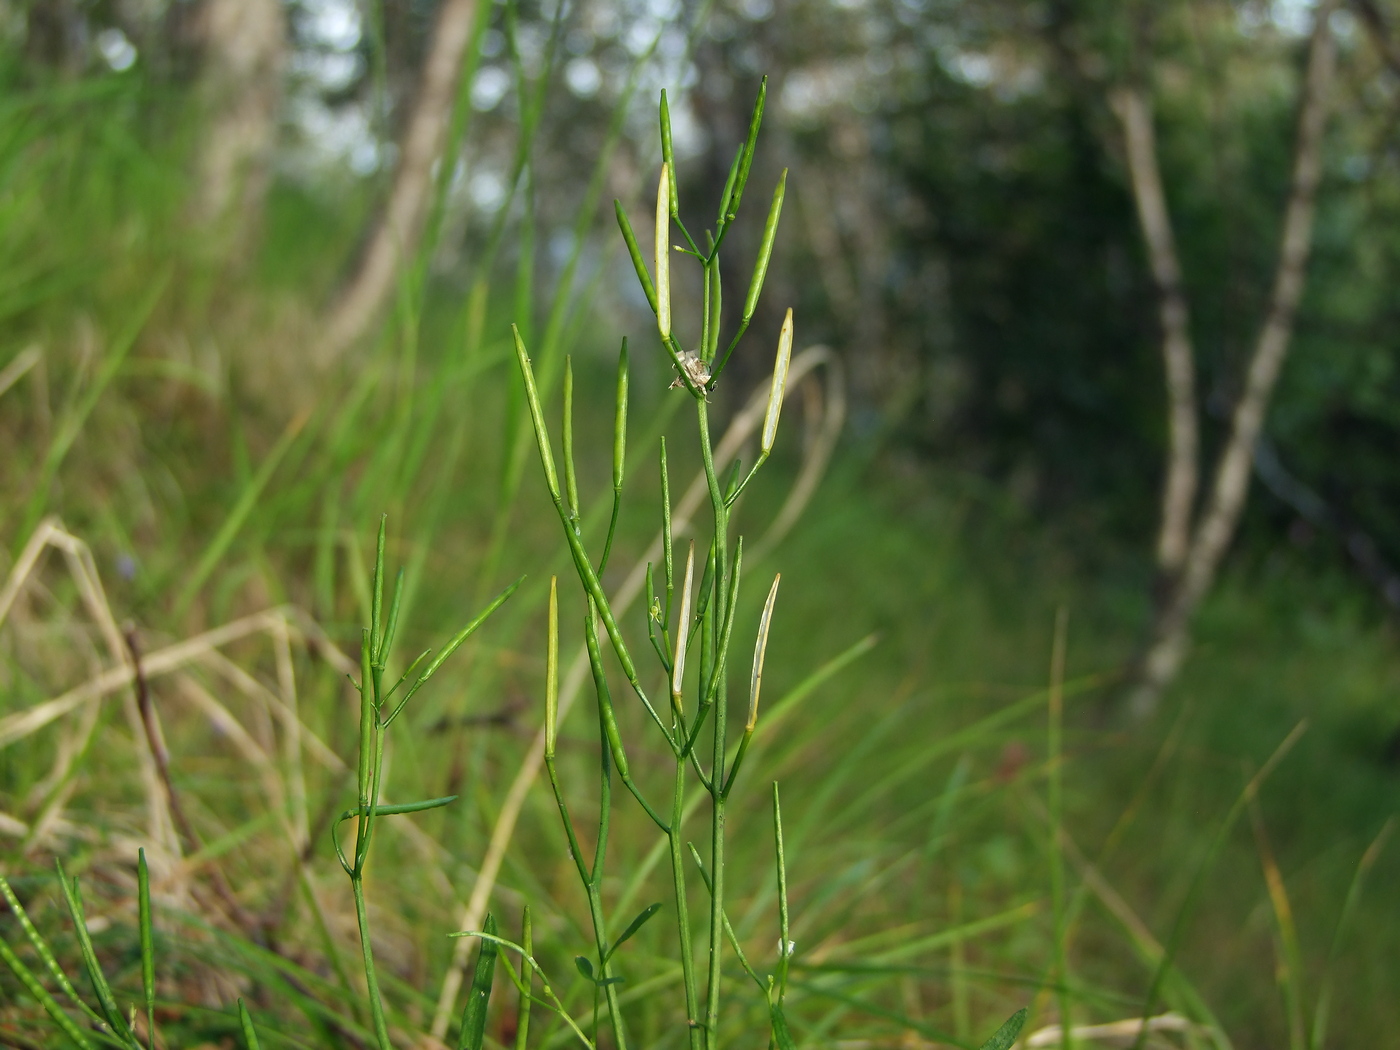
<point x="727" y="627"/>
<point x="760" y="649"/>
<point x="600" y="685"/>
<point x="712" y="322"/>
<point x="682" y="630"/>
<point x="620" y="420"/>
<point x="532" y="396"/>
<point x="663" y="253"/>
<point x="376" y="620"/>
<point x="666" y="545"/>
<point x="746" y="163"/>
<point x="668" y="155"/>
<point x="636" y="253"/>
<point x="729" y="188"/>
<point x="775" y="393"/>
<point x="366" y="719"/>
<point x="765" y="250"/>
<point x="551" y="671"/>
<point x="387" y="641"/>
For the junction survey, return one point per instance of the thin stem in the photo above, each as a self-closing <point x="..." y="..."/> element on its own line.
<point x="717" y="818"/>
<point x="692" y="997"/>
<point x="575" y="852"/>
<point x="376" y="1004"/>
<point x="1056" y="807"/>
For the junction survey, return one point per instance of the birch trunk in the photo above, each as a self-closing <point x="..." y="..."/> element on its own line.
<point x="1222" y="511"/>
<point x="1178" y="357"/>
<point x="400" y="226"/>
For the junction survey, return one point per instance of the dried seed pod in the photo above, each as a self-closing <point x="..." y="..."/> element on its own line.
<point x="775" y="393"/>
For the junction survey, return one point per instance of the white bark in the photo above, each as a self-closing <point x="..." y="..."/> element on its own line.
<point x="400" y="226"/>
<point x="1178" y="357"/>
<point x="1222" y="511"/>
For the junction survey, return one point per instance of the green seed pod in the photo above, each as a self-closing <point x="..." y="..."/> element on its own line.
<point x="765" y="250"/>
<point x="600" y="685"/>
<point x="532" y="397"/>
<point x="636" y="253"/>
<point x="668" y="156"/>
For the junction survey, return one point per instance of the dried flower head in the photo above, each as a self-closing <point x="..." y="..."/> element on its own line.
<point x="696" y="370"/>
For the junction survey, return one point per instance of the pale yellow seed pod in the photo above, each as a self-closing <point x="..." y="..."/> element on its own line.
<point x="776" y="391"/>
<point x="682" y="630"/>
<point x="760" y="649"/>
<point x="663" y="252"/>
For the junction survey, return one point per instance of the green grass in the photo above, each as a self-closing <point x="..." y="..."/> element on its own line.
<point x="918" y="857"/>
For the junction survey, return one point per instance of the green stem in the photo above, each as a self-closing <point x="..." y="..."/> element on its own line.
<point x="692" y="997"/>
<point x="721" y="513"/>
<point x="595" y="881"/>
<point x="376" y="1004"/>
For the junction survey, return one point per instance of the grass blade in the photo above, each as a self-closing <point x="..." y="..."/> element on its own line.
<point x="100" y="987"/>
<point x="41" y="994"/>
<point x="242" y="508"/>
<point x="473" y="1030"/>
<point x="41" y="947"/>
<point x="148" y="953"/>
<point x="245" y="1022"/>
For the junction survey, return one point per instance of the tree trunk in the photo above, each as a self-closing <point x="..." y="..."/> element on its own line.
<point x="1178" y="357"/>
<point x="1222" y="512"/>
<point x="245" y="51"/>
<point x="400" y="226"/>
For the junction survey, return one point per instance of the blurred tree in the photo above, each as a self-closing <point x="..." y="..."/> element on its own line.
<point x="1190" y="555"/>
<point x="244" y="53"/>
<point x="397" y="230"/>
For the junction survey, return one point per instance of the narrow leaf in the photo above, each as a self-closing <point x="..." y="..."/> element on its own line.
<point x="399" y="808"/>
<point x="782" y="1035"/>
<point x="1004" y="1036"/>
<point x="643" y="917"/>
